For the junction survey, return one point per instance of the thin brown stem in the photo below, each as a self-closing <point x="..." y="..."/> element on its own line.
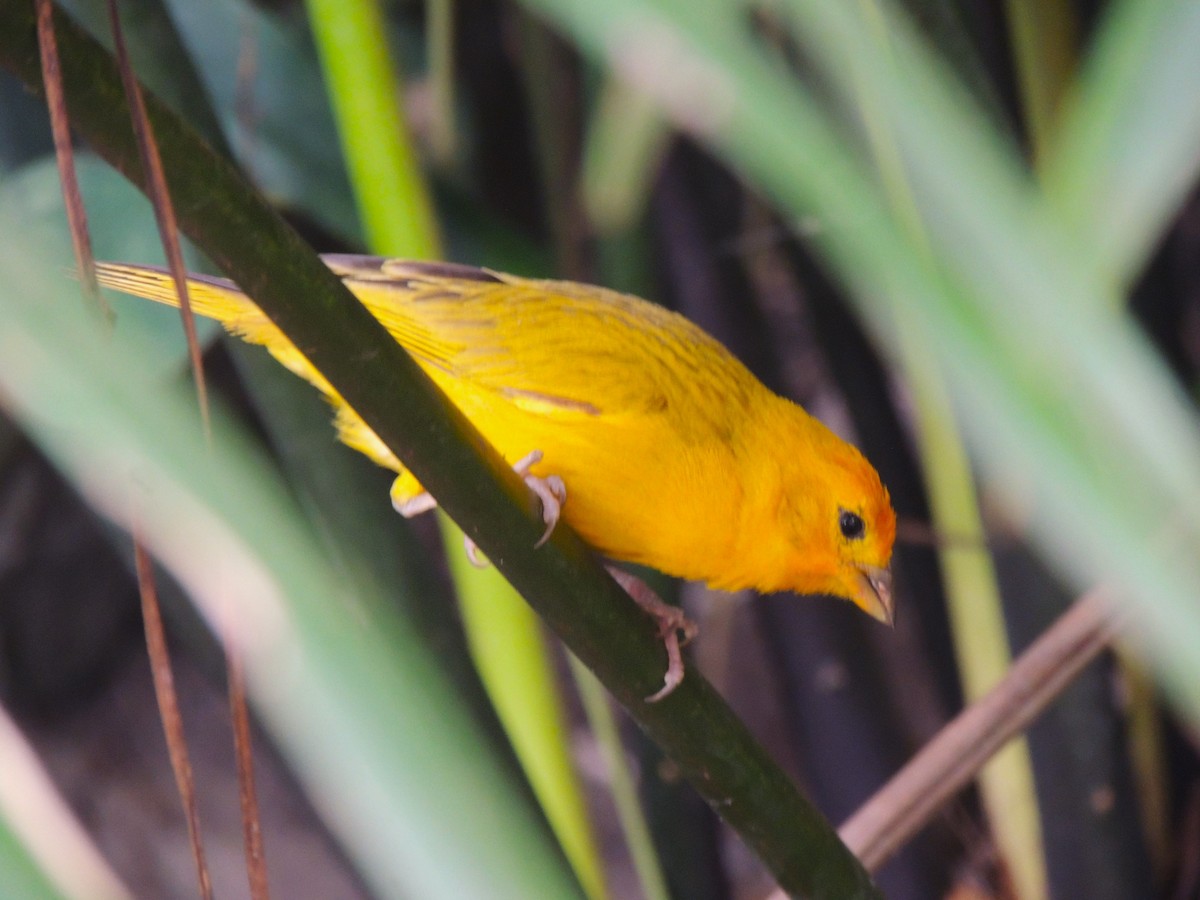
<point x="168" y="708"/>
<point x="64" y="154"/>
<point x="164" y="209"/>
<point x="164" y="213"/>
<point x="252" y="840"/>
<point x="952" y="759"/>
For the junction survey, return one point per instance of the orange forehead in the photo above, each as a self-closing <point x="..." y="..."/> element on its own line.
<point x="861" y="484"/>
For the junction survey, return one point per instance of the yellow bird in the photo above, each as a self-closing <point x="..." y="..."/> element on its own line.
<point x="672" y="453"/>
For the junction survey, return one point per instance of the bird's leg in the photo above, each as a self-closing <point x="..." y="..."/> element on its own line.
<point x="672" y="622"/>
<point x="551" y="491"/>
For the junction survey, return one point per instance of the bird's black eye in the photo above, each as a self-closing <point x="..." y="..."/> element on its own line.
<point x="852" y="525"/>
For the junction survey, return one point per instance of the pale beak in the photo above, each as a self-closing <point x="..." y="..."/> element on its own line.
<point x="874" y="594"/>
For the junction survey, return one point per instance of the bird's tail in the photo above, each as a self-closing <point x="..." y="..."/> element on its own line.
<point x="220" y="299"/>
<point x="211" y="297"/>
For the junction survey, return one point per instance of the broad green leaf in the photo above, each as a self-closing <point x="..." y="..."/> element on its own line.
<point x="349" y="691"/>
<point x="1127" y="156"/>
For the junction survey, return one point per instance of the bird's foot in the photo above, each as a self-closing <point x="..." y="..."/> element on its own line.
<point x="672" y="624"/>
<point x="550" y="490"/>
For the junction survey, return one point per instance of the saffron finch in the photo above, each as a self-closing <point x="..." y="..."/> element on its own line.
<point x="673" y="454"/>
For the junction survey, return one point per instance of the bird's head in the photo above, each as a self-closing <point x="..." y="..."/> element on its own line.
<point x="866" y="529"/>
<point x="833" y="526"/>
<point x="846" y="546"/>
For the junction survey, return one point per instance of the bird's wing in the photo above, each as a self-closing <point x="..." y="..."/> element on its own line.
<point x="557" y="348"/>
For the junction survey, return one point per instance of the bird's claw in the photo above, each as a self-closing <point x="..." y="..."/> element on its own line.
<point x="414" y="506"/>
<point x="672" y="622"/>
<point x="472" y="551"/>
<point x="551" y="490"/>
